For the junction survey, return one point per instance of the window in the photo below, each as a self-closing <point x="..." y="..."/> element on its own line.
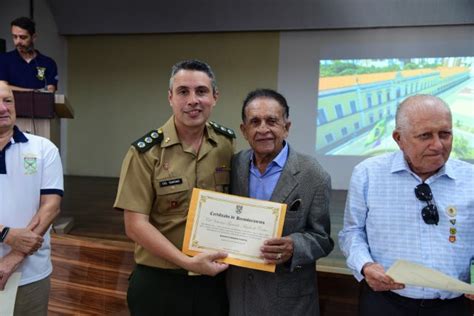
<point x="398" y="93"/>
<point x="339" y="112"/>
<point x="379" y="97"/>
<point x="344" y="131"/>
<point x="329" y="138"/>
<point x="371" y="118"/>
<point x="388" y="95"/>
<point x="356" y="125"/>
<point x="369" y="101"/>
<point x="321" y="117"/>
<point x="380" y="114"/>
<point x="353" y="106"/>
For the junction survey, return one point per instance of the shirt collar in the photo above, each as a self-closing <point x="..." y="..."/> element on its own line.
<point x="17" y="53"/>
<point x="447" y="170"/>
<point x="19" y="136"/>
<point x="170" y="135"/>
<point x="400" y="164"/>
<point x="279" y="160"/>
<point x="211" y="134"/>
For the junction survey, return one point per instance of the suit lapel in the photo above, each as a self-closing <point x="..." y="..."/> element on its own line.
<point x="243" y="174"/>
<point x="287" y="182"/>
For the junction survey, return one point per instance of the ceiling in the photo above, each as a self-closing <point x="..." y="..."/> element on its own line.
<point x="158" y="16"/>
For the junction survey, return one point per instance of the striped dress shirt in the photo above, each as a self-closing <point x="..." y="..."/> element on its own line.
<point x="383" y="223"/>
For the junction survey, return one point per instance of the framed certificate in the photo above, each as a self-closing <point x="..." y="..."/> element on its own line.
<point x="234" y="224"/>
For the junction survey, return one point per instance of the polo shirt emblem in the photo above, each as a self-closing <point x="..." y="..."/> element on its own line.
<point x="40" y="72"/>
<point x="30" y="164"/>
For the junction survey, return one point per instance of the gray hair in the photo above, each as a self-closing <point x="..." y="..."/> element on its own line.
<point x="195" y="65"/>
<point x="416" y="103"/>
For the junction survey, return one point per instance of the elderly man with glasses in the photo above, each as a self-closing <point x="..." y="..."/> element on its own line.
<point x="416" y="204"/>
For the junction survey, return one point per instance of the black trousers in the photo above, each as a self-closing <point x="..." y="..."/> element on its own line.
<point x="387" y="303"/>
<point x="154" y="291"/>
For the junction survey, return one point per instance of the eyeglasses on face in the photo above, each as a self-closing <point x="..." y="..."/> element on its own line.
<point x="429" y="213"/>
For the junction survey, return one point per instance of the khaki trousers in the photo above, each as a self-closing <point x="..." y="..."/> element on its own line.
<point x="32" y="299"/>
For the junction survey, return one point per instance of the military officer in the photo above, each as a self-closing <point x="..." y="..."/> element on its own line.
<point x="158" y="174"/>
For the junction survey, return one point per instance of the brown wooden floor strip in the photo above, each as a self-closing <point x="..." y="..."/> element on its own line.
<point x="90" y="276"/>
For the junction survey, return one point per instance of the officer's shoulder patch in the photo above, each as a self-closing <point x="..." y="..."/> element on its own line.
<point x="148" y="140"/>
<point x="222" y="129"/>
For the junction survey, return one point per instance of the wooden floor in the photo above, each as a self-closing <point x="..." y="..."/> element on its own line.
<point x="90" y="276"/>
<point x="92" y="263"/>
<point x="89" y="201"/>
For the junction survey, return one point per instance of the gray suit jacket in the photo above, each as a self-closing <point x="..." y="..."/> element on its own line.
<point x="292" y="289"/>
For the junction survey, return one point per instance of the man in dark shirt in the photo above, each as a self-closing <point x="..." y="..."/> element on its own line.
<point x="25" y="68"/>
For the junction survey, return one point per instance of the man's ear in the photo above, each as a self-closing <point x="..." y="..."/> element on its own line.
<point x="242" y="130"/>
<point x="170" y="95"/>
<point x="287" y="126"/>
<point x="396" y="137"/>
<point x="215" y="94"/>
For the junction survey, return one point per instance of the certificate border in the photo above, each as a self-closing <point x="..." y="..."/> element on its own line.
<point x="192" y="218"/>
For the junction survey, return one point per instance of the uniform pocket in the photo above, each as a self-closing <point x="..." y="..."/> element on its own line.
<point x="222" y="180"/>
<point x="172" y="194"/>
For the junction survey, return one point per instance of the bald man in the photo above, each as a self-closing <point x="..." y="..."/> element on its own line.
<point x="416" y="204"/>
<point x="31" y="187"/>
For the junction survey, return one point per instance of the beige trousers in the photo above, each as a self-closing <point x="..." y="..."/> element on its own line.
<point x="32" y="299"/>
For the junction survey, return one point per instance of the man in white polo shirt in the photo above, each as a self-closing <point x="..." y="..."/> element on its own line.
<point x="31" y="188"/>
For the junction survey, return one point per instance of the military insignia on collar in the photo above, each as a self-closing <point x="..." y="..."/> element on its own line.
<point x="148" y="140"/>
<point x="222" y="129"/>
<point x="30" y="165"/>
<point x="40" y="72"/>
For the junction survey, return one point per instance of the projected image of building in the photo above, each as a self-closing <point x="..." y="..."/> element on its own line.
<point x="357" y="99"/>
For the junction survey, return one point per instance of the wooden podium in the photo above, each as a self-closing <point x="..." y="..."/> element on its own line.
<point x="39" y="113"/>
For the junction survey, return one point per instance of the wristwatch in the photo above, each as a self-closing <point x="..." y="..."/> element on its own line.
<point x="4" y="233"/>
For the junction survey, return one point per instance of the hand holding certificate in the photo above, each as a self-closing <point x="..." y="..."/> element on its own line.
<point x="414" y="274"/>
<point x="234" y="224"/>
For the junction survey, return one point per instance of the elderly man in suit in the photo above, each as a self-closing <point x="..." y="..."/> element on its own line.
<point x="272" y="170"/>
